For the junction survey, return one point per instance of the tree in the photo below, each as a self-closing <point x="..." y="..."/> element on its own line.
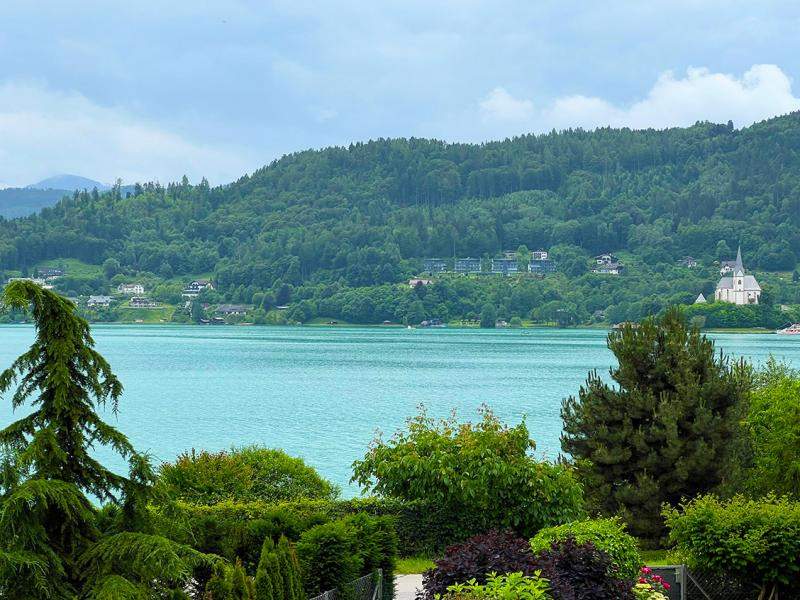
<point x="51" y="545"/>
<point x="663" y="431"/>
<point x="483" y="473"/>
<point x="111" y="267"/>
<point x="773" y="427"/>
<point x="198" y="313"/>
<point x="488" y="316"/>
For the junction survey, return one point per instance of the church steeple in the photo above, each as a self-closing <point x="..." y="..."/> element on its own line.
<point x="738" y="268"/>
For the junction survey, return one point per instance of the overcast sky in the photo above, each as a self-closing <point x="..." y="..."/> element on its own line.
<point x="147" y="90"/>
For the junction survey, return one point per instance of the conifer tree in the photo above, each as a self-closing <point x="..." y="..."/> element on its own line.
<point x="263" y="581"/>
<point x="663" y="431"/>
<point x="50" y="544"/>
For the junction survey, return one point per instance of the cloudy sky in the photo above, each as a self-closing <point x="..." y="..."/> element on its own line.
<point x="150" y="90"/>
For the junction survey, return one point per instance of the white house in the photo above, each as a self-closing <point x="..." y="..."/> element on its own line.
<point x="99" y="301"/>
<point x="193" y="289"/>
<point x="131" y="289"/>
<point x="738" y="287"/>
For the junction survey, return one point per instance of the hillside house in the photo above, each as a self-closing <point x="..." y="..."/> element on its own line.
<point x="688" y="262"/>
<point x="540" y="255"/>
<point x="468" y="265"/>
<point x="505" y="266"/>
<point x="37" y="280"/>
<point x="228" y="310"/>
<point x="607" y="264"/>
<point x="142" y="302"/>
<point x="49" y="272"/>
<point x="130" y="289"/>
<point x="193" y="288"/>
<point x="434" y="265"/>
<point x="415" y="282"/>
<point x="98" y="301"/>
<point x="542" y="266"/>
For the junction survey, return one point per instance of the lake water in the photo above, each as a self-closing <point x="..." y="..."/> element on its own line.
<point x="322" y="393"/>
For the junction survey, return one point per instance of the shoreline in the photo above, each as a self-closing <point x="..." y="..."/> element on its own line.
<point x="594" y="327"/>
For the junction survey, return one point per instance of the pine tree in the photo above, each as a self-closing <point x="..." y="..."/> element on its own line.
<point x="50" y="544"/>
<point x="263" y="581"/>
<point x="663" y="432"/>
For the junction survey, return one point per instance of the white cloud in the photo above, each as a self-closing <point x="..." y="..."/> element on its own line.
<point x="762" y="92"/>
<point x="44" y="131"/>
<point x="499" y="105"/>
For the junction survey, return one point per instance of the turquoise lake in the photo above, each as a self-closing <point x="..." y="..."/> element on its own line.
<point x="323" y="393"/>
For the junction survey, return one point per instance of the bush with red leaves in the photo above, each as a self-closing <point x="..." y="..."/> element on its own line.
<point x="581" y="572"/>
<point x="492" y="552"/>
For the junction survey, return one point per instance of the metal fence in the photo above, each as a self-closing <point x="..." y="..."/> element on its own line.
<point x="691" y="585"/>
<point x="369" y="587"/>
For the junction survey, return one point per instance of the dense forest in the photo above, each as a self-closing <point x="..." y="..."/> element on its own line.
<point x="332" y="233"/>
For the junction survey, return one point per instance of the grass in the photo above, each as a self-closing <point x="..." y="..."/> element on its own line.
<point x="146" y="315"/>
<point x="657" y="558"/>
<point x="413" y="565"/>
<point x="73" y="267"/>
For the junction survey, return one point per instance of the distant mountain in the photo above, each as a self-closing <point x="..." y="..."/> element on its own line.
<point x="21" y="202"/>
<point x="68" y="182"/>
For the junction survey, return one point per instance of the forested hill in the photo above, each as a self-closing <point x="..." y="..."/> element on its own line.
<point x="365" y="215"/>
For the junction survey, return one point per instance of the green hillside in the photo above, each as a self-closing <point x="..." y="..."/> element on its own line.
<point x="336" y="232"/>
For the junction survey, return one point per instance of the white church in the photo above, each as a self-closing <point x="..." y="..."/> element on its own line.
<point x="735" y="286"/>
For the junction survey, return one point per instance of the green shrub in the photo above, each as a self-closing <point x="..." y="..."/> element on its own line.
<point x="754" y="540"/>
<point x="233" y="529"/>
<point x="481" y="472"/>
<point x="329" y="557"/>
<point x="607" y="535"/>
<point x="243" y="475"/>
<point x="773" y="425"/>
<point x="278" y="573"/>
<point x="501" y="587"/>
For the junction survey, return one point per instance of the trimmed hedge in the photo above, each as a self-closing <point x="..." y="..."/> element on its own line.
<point x="237" y="529"/>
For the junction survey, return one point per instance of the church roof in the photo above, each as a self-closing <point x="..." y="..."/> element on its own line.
<point x="749" y="285"/>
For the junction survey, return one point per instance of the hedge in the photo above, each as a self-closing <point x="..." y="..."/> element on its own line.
<point x="236" y="529"/>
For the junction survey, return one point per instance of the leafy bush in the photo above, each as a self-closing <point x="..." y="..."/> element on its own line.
<point x="581" y="571"/>
<point x="501" y="587"/>
<point x="243" y="475"/>
<point x="377" y="544"/>
<point x="329" y="557"/>
<point x="475" y="559"/>
<point x="756" y="539"/>
<point x="484" y="471"/>
<point x="607" y="535"/>
<point x="773" y="425"/>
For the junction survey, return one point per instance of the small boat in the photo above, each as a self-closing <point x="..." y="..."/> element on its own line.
<point x="793" y="329"/>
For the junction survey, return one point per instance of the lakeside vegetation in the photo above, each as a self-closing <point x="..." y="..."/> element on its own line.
<point x="702" y="457"/>
<point x="337" y="233"/>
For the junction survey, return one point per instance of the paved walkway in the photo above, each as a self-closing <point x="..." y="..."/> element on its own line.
<point x="406" y="586"/>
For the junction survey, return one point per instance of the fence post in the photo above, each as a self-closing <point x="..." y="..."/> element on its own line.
<point x="683" y="582"/>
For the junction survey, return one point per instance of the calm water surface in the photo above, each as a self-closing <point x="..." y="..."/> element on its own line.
<point x="322" y="393"/>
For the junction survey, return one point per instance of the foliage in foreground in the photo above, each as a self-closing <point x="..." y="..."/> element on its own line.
<point x="773" y="427"/>
<point x="664" y="431"/>
<point x="582" y="571"/>
<point x="246" y="474"/>
<point x="514" y="586"/>
<point x="51" y="544"/>
<point x="754" y="540"/>
<point x="484" y="470"/>
<point x="607" y="535"/>
<point x="474" y="559"/>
